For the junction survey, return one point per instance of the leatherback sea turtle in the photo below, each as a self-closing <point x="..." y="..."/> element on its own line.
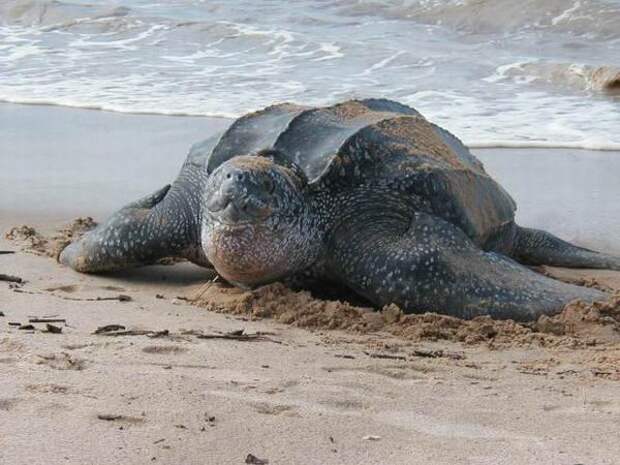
<point x="365" y="193"/>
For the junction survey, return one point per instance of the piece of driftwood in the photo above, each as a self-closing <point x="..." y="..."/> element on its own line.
<point x="253" y="460"/>
<point x="119" y="417"/>
<point x="120" y="298"/>
<point x="53" y="329"/>
<point x="156" y="334"/>
<point x="120" y="330"/>
<point x="108" y="329"/>
<point x="386" y="356"/>
<point x="47" y="320"/>
<point x="438" y="354"/>
<point x="238" y="335"/>
<point x="6" y="252"/>
<point x="11" y="279"/>
<point x="109" y="417"/>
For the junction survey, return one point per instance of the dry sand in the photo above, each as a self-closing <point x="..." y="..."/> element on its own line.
<point x="351" y="387"/>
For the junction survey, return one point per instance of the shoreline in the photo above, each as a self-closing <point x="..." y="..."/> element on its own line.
<point x="121" y="112"/>
<point x="593" y="146"/>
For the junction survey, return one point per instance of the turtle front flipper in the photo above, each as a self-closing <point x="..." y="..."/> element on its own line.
<point x="138" y="234"/>
<point x="427" y="264"/>
<point x="536" y="247"/>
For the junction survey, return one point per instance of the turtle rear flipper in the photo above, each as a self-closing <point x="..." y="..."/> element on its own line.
<point x="431" y="265"/>
<point x="138" y="234"/>
<point x="536" y="247"/>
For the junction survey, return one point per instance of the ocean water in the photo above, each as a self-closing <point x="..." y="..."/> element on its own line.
<point x="529" y="73"/>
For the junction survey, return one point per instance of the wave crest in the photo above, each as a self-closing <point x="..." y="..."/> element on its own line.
<point x="55" y="13"/>
<point x="584" y="77"/>
<point x="594" y="18"/>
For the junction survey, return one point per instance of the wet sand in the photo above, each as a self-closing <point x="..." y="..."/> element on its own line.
<point x="57" y="163"/>
<point x="573" y="193"/>
<point x="293" y="395"/>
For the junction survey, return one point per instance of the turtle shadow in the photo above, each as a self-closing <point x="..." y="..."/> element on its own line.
<point x="323" y="289"/>
<point x="179" y="274"/>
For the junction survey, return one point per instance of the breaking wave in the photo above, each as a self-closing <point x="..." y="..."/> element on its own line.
<point x="473" y="66"/>
<point x="594" y="18"/>
<point x="598" y="78"/>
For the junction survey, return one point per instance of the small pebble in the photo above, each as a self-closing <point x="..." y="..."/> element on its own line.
<point x="53" y="329"/>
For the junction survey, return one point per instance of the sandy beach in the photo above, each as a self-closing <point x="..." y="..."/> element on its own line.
<point x="181" y="384"/>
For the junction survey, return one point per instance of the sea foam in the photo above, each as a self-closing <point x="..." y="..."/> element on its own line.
<point x="472" y="66"/>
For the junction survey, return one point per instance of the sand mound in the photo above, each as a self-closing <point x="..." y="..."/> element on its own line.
<point x="600" y="320"/>
<point x="32" y="241"/>
<point x="577" y="325"/>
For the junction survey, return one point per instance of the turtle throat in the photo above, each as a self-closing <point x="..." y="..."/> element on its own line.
<point x="252" y="253"/>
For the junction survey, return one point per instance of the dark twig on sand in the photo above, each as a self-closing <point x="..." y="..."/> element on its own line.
<point x="156" y="334"/>
<point x="53" y="329"/>
<point x="238" y="335"/>
<point x="6" y="252"/>
<point x="109" y="417"/>
<point x="120" y="330"/>
<point x="131" y="332"/>
<point x="11" y="279"/>
<point x="122" y="418"/>
<point x="244" y="337"/>
<point x="253" y="460"/>
<point x="47" y="320"/>
<point x="438" y="354"/>
<point x="120" y="298"/>
<point x="386" y="356"/>
<point x="108" y="329"/>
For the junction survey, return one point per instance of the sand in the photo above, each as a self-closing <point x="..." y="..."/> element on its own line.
<point x="308" y="381"/>
<point x="197" y="372"/>
<point x="164" y="365"/>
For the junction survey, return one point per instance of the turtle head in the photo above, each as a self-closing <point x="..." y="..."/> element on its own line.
<point x="257" y="226"/>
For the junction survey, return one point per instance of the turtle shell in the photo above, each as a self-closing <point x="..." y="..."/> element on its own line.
<point x="371" y="142"/>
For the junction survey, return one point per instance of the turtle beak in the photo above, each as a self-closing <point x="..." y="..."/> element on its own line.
<point x="238" y="198"/>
